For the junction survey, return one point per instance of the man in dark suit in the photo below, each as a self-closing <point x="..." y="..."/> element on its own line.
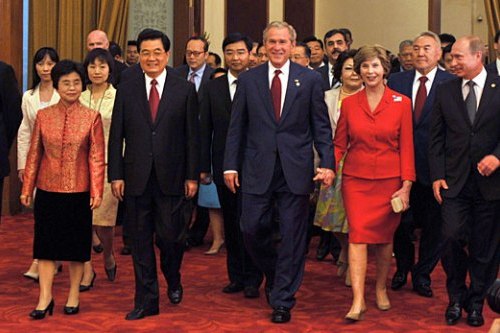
<point x="405" y="57"/>
<point x="10" y="118"/>
<point x="464" y="157"/>
<point x="197" y="72"/>
<point x="278" y="113"/>
<point x="420" y="86"/>
<point x="156" y="118"/>
<point x="494" y="66"/>
<point x="336" y="42"/>
<point x="215" y="113"/>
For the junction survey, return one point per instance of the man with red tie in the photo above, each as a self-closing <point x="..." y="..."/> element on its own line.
<point x="420" y="86"/>
<point x="155" y="118"/>
<point x="278" y="112"/>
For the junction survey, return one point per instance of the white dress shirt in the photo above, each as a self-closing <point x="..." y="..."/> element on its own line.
<point x="159" y="86"/>
<point x="480" y="81"/>
<point x="428" y="84"/>
<point x="285" y="73"/>
<point x="199" y="75"/>
<point x="232" y="84"/>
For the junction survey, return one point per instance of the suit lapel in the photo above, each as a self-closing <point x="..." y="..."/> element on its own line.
<point x="292" y="88"/>
<point x="263" y="87"/>
<point x="226" y="95"/>
<point x="165" y="97"/>
<point x="430" y="97"/>
<point x="458" y="97"/>
<point x="491" y="87"/>
<point x="143" y="98"/>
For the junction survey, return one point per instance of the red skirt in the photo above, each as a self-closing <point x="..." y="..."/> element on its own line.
<point x="368" y="208"/>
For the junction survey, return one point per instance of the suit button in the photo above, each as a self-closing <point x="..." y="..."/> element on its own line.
<point x="154" y="133"/>
<point x="472" y="133"/>
<point x="150" y="154"/>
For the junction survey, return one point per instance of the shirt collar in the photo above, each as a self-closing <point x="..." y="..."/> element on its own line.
<point x="198" y="72"/>
<point x="479" y="80"/>
<point x="160" y="78"/>
<point x="231" y="78"/>
<point x="430" y="76"/>
<point x="285" y="69"/>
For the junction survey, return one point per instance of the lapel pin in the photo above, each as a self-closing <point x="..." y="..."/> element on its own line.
<point x="297" y="82"/>
<point x="493" y="85"/>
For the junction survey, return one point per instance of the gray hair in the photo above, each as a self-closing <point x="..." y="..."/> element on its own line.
<point x="405" y="43"/>
<point x="429" y="34"/>
<point x="280" y="25"/>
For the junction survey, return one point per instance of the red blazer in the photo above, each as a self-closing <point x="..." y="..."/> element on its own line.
<point x="380" y="144"/>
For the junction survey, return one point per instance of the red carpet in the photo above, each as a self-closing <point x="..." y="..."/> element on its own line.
<point x="322" y="300"/>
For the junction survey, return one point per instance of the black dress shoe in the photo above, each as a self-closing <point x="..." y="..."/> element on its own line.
<point x="126" y="251"/>
<point x="71" y="310"/>
<point x="40" y="314"/>
<point x="141" y="313"/>
<point x="281" y="315"/>
<point x="97" y="248"/>
<point x="423" y="290"/>
<point x="475" y="318"/>
<point x="251" y="292"/>
<point x="111" y="273"/>
<point x="175" y="295"/>
<point x="453" y="313"/>
<point x="84" y="288"/>
<point x="232" y="288"/>
<point x="398" y="280"/>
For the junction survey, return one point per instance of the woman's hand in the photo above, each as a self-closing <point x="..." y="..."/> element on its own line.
<point x="20" y="174"/>
<point x="25" y="200"/>
<point x="95" y="202"/>
<point x="404" y="194"/>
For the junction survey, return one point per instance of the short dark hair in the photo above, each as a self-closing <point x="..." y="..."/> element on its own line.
<point x="218" y="60"/>
<point x="235" y="37"/>
<point x="347" y="35"/>
<point x="101" y="54"/>
<point x="337" y="68"/>
<point x="334" y="32"/>
<point x="132" y="43"/>
<point x="150" y="34"/>
<point x="497" y="37"/>
<point x="65" y="67"/>
<point x="115" y="49"/>
<point x="205" y="42"/>
<point x="313" y="39"/>
<point x="307" y="50"/>
<point x="447" y="38"/>
<point x="217" y="71"/>
<point x="39" y="55"/>
<point x="446" y="49"/>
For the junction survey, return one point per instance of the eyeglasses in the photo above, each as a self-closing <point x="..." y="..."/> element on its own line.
<point x="193" y="53"/>
<point x="155" y="53"/>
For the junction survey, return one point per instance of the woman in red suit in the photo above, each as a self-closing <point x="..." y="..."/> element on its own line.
<point x="375" y="130"/>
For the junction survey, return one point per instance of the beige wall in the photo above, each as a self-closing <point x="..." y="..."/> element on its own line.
<point x="460" y="18"/>
<point x="373" y="21"/>
<point x="215" y="24"/>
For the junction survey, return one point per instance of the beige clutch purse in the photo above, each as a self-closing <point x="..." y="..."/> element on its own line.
<point x="397" y="205"/>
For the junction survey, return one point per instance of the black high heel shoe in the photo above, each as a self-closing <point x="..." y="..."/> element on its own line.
<point x="40" y="314"/>
<point x="71" y="310"/>
<point x="87" y="288"/>
<point x="111" y="273"/>
<point x="98" y="248"/>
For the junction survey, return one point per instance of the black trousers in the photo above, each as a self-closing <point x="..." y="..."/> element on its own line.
<point x="240" y="266"/>
<point x="473" y="222"/>
<point x="154" y="218"/>
<point x="282" y="264"/>
<point x="425" y="213"/>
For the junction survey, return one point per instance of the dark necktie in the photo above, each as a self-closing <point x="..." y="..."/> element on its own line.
<point x="471" y="102"/>
<point x="154" y="99"/>
<point x="420" y="98"/>
<point x="191" y="77"/>
<point x="333" y="78"/>
<point x="276" y="94"/>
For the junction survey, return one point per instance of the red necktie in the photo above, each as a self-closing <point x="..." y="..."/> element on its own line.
<point x="420" y="99"/>
<point x="154" y="99"/>
<point x="276" y="94"/>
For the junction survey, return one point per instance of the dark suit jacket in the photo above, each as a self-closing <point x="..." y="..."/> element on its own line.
<point x="456" y="145"/>
<point x="323" y="70"/>
<point x="215" y="114"/>
<point x="170" y="145"/>
<point x="10" y="114"/>
<point x="492" y="67"/>
<point x="402" y="82"/>
<point x="255" y="138"/>
<point x="183" y="71"/>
